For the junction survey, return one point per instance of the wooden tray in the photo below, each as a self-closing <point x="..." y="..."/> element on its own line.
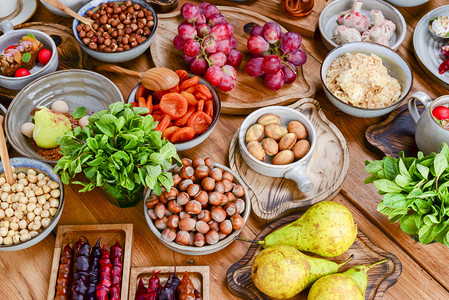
<point x="109" y="234"/>
<point x="249" y="93"/>
<point x="306" y="26"/>
<point x="273" y="197"/>
<point x="394" y="134"/>
<point x="70" y="54"/>
<point x="380" y="278"/>
<point x="200" y="276"/>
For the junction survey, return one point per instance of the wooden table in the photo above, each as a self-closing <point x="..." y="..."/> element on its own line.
<point x="25" y="274"/>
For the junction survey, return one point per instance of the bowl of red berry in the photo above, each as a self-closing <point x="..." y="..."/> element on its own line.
<point x="25" y="55"/>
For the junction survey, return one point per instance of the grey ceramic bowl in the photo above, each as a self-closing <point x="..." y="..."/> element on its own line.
<point x="22" y="164"/>
<point x="115" y="57"/>
<point x="327" y="22"/>
<point x="201" y="138"/>
<point x="407" y="3"/>
<point x="11" y="37"/>
<point x="295" y="171"/>
<point x="76" y="87"/>
<point x="207" y="249"/>
<point x="397" y="68"/>
<point x="74" y="5"/>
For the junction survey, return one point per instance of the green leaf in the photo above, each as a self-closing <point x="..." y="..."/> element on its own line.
<point x="107" y="129"/>
<point x="373" y="167"/>
<point x="402" y="181"/>
<point x="423" y="170"/>
<point x="390" y="168"/>
<point x="26" y="57"/>
<point x="439" y="164"/>
<point x="393" y="200"/>
<point x="426" y="234"/>
<point x="408" y="224"/>
<point x="116" y="107"/>
<point x="79" y="113"/>
<point x="387" y="186"/>
<point x="31" y="35"/>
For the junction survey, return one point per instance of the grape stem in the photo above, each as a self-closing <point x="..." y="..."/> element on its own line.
<point x="276" y="51"/>
<point x="201" y="40"/>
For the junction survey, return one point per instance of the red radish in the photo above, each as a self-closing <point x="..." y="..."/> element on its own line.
<point x="10" y="47"/>
<point x="44" y="56"/>
<point x="22" y="72"/>
<point x="441" y="112"/>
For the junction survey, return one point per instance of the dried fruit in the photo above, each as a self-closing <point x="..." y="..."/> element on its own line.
<point x="287" y="141"/>
<point x="301" y="148"/>
<point x="269" y="119"/>
<point x="254" y="133"/>
<point x="283" y="158"/>
<point x="297" y="128"/>
<point x="256" y="150"/>
<point x="275" y="131"/>
<point x="270" y="146"/>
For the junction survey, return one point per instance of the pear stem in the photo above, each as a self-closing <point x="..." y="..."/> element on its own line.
<point x="377" y="263"/>
<point x="346" y="261"/>
<point x="250" y="241"/>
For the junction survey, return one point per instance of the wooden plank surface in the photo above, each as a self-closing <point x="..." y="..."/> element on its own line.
<point x="25" y="274"/>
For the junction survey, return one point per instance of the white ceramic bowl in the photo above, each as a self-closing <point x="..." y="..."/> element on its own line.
<point x="24" y="163"/>
<point x="295" y="171"/>
<point x="115" y="57"/>
<point x="201" y="138"/>
<point x="327" y="22"/>
<point x="407" y="3"/>
<point x="397" y="68"/>
<point x="207" y="249"/>
<point x="11" y="37"/>
<point x="74" y="5"/>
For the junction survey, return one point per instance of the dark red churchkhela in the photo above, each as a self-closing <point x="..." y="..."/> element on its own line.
<point x="116" y="273"/>
<point x="80" y="271"/>
<point x="63" y="282"/>
<point x="104" y="284"/>
<point x="186" y="290"/>
<point x="94" y="268"/>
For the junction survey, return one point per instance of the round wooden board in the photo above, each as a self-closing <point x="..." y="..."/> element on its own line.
<point x="380" y="278"/>
<point x="273" y="197"/>
<point x="249" y="93"/>
<point x="70" y="54"/>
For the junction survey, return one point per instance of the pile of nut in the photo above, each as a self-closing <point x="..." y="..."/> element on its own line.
<point x="118" y="27"/>
<point x="27" y="206"/>
<point x="203" y="207"/>
<point x="285" y="144"/>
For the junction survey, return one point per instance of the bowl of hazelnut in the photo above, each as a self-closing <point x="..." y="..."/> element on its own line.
<point x="31" y="207"/>
<point x="203" y="212"/>
<point x="122" y="31"/>
<point x="278" y="141"/>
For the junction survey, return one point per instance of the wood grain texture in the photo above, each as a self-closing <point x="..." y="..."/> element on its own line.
<point x="109" y="233"/>
<point x="394" y="134"/>
<point x="70" y="54"/>
<point x="200" y="276"/>
<point x="380" y="278"/>
<point x="249" y="93"/>
<point x="273" y="197"/>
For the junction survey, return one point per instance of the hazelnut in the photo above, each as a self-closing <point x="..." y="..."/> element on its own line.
<point x="229" y="176"/>
<point x="150" y="213"/>
<point x="176" y="179"/>
<point x="208" y="184"/>
<point x="215" y="198"/>
<point x="196" y="162"/>
<point x="182" y="198"/>
<point x="201" y="172"/>
<point x="204" y="215"/>
<point x="202" y="227"/>
<point x="151" y="202"/>
<point x="227" y="184"/>
<point x="193" y="207"/>
<point x="213" y="225"/>
<point x="193" y="190"/>
<point x="218" y="214"/>
<point x="168" y="234"/>
<point x="226" y="227"/>
<point x="238" y="191"/>
<point x="219" y="187"/>
<point x="237" y="222"/>
<point x="240" y="205"/>
<point x="186" y="172"/>
<point x="231" y="197"/>
<point x="184" y="184"/>
<point x="182" y="237"/>
<point x="202" y="197"/>
<point x="184" y="214"/>
<point x="159" y="210"/>
<point x="186" y="224"/>
<point x="171" y="195"/>
<point x="199" y="240"/>
<point x="212" y="237"/>
<point x="161" y="224"/>
<point x="216" y="174"/>
<point x="231" y="209"/>
<point x="209" y="162"/>
<point x="173" y="221"/>
<point x="186" y="162"/>
<point x="174" y="207"/>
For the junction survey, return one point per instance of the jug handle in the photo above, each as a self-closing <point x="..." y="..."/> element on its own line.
<point x="423" y="98"/>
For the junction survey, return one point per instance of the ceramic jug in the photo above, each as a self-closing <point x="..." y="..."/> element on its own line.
<point x="429" y="134"/>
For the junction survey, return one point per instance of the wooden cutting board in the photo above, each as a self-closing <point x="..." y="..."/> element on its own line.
<point x="272" y="197"/>
<point x="380" y="278"/>
<point x="249" y="93"/>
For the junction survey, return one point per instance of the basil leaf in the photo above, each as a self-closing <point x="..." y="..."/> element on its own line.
<point x="79" y="112"/>
<point x="31" y="35"/>
<point x="390" y="168"/>
<point x="408" y="224"/>
<point x="387" y="186"/>
<point x="26" y="57"/>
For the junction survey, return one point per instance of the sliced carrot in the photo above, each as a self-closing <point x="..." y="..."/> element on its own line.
<point x="183" y="120"/>
<point x="141" y="92"/>
<point x="168" y="132"/>
<point x="142" y="102"/>
<point x="182" y="135"/>
<point x="200" y="106"/>
<point x="174" y="105"/>
<point x="200" y="122"/>
<point x="191" y="90"/>
<point x="200" y="96"/>
<point x="150" y="103"/>
<point x="201" y="88"/>
<point x="209" y="108"/>
<point x="189" y="83"/>
<point x="190" y="98"/>
<point x="182" y="74"/>
<point x="163" y="124"/>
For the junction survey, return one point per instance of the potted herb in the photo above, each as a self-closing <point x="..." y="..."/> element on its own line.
<point x="120" y="152"/>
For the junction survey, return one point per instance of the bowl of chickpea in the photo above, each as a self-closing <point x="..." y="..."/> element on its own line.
<point x="31" y="207"/>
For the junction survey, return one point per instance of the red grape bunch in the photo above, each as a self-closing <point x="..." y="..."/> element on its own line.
<point x="209" y="45"/>
<point x="275" y="55"/>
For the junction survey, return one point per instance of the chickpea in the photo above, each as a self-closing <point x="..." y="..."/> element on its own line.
<point x="19" y="214"/>
<point x="24" y="181"/>
<point x="14" y="175"/>
<point x="16" y="239"/>
<point x="54" y="202"/>
<point x="30" y="225"/>
<point x="33" y="233"/>
<point x="37" y="225"/>
<point x="46" y="222"/>
<point x="15" y="205"/>
<point x="37" y="211"/>
<point x="13" y="188"/>
<point x="31" y="206"/>
<point x="19" y="187"/>
<point x="46" y="178"/>
<point x="4" y="205"/>
<point x="32" y="178"/>
<point x="4" y="224"/>
<point x="46" y="189"/>
<point x="45" y="214"/>
<point x="38" y="191"/>
<point x="14" y="219"/>
<point x="3" y="231"/>
<point x="9" y="199"/>
<point x="23" y="231"/>
<point x="2" y="180"/>
<point x="1" y="240"/>
<point x="47" y="196"/>
<point x="46" y="206"/>
<point x="9" y="212"/>
<point x="23" y="200"/>
<point x="11" y="233"/>
<point x="21" y="207"/>
<point x="32" y="186"/>
<point x="25" y="237"/>
<point x="40" y="176"/>
<point x="2" y="213"/>
<point x="6" y="187"/>
<point x="31" y="172"/>
<point x="41" y="183"/>
<point x="22" y="224"/>
<point x="15" y="198"/>
<point x="4" y="196"/>
<point x="55" y="193"/>
<point x="7" y="241"/>
<point x="14" y="226"/>
<point x="29" y="193"/>
<point x="21" y="175"/>
<point x="30" y="216"/>
<point x="53" y="185"/>
<point x="53" y="211"/>
<point x="21" y="194"/>
<point x="37" y="218"/>
<point x="32" y="200"/>
<point x="41" y="200"/>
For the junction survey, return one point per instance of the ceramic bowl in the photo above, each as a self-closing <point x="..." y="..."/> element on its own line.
<point x="115" y="57"/>
<point x="76" y="87"/>
<point x="74" y="5"/>
<point x="295" y="171"/>
<point x="11" y="37"/>
<point x="207" y="249"/>
<point x="22" y="164"/>
<point x="407" y="3"/>
<point x="199" y="139"/>
<point x="397" y="68"/>
<point x="328" y="20"/>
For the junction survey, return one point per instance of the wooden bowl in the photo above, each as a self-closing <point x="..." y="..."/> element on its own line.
<point x="207" y="249"/>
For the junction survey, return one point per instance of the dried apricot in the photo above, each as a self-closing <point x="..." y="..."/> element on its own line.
<point x="174" y="105"/>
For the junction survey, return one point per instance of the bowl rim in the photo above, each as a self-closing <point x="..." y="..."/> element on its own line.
<point x="28" y="86"/>
<point x="55" y="217"/>
<point x="321" y="23"/>
<point x="214" y="120"/>
<point x="392" y="52"/>
<point x="194" y="250"/>
<point x="303" y="160"/>
<point x="146" y="43"/>
<point x="54" y="55"/>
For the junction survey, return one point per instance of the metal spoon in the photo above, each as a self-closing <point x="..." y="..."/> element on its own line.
<point x="155" y="79"/>
<point x="70" y="12"/>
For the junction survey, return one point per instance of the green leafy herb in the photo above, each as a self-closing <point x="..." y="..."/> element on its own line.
<point x="415" y="193"/>
<point x="31" y="35"/>
<point x="119" y="145"/>
<point x="26" y="57"/>
<point x="79" y="112"/>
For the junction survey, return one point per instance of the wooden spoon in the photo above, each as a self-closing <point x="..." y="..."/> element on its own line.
<point x="70" y="12"/>
<point x="155" y="79"/>
<point x="5" y="156"/>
